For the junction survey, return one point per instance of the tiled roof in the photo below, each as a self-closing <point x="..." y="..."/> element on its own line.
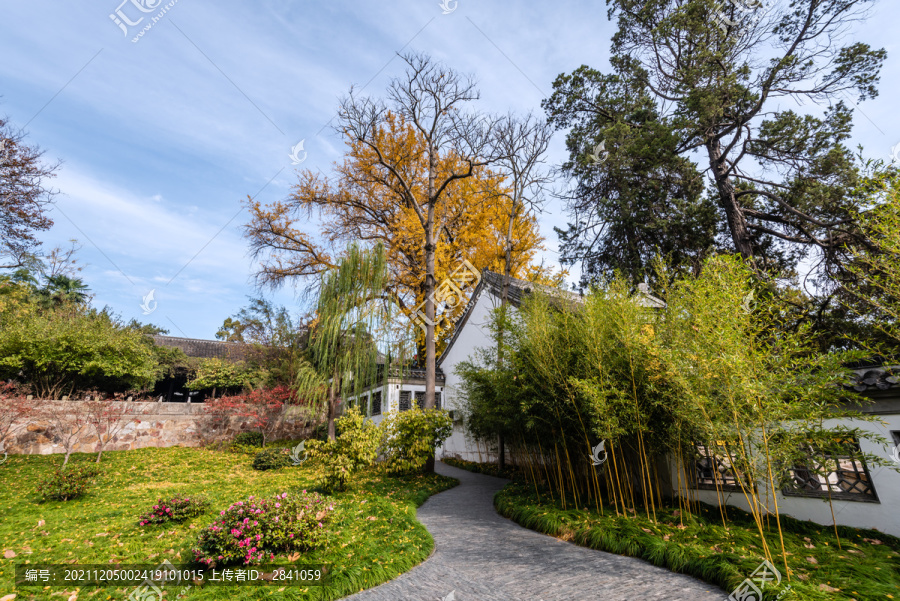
<point x="206" y="349"/>
<point x="876" y="378"/>
<point x="518" y="289"/>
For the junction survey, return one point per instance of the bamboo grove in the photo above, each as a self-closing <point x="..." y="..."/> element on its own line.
<point x="715" y="367"/>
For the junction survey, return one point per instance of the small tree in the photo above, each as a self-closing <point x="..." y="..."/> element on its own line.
<point x="67" y="425"/>
<point x="263" y="410"/>
<point x="14" y="409"/>
<point x="221" y="374"/>
<point x="343" y="348"/>
<point x="107" y="419"/>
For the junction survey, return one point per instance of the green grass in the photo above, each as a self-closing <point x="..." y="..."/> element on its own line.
<point x="375" y="534"/>
<point x="699" y="545"/>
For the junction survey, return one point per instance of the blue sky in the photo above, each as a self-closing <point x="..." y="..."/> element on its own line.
<point x="161" y="139"/>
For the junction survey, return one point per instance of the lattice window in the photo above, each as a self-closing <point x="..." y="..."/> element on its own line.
<point x="713" y="467"/>
<point x="420" y="399"/>
<point x="437" y="400"/>
<point x="840" y="475"/>
<point x="404" y="400"/>
<point x="376" y="403"/>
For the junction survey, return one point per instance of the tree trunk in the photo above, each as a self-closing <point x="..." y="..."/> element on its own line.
<point x="737" y="222"/>
<point x="332" y="406"/>
<point x="504" y="302"/>
<point x="430" y="350"/>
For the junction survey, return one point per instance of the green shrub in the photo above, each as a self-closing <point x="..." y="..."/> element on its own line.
<point x="258" y="529"/>
<point x="68" y="482"/>
<point x="272" y="459"/>
<point x="176" y="509"/>
<point x="249" y="439"/>
<point x="357" y="446"/>
<point x="412" y="437"/>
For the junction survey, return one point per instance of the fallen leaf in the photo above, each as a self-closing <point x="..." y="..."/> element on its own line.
<point x="41" y="523"/>
<point x="153" y="555"/>
<point x="666" y="537"/>
<point x="161" y="534"/>
<point x="371" y="518"/>
<point x="812" y="560"/>
<point x="102" y="534"/>
<point x="809" y="546"/>
<point x="647" y="530"/>
<point x="8" y="597"/>
<point x="9" y="554"/>
<point x="828" y="589"/>
<point x="873" y="541"/>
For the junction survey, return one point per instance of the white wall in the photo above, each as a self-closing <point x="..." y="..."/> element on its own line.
<point x="882" y="516"/>
<point x="474" y="335"/>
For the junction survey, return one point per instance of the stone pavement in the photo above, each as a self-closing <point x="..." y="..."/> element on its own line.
<point x="481" y="556"/>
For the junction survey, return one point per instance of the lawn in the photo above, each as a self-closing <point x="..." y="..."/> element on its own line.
<point x="864" y="566"/>
<point x="375" y="535"/>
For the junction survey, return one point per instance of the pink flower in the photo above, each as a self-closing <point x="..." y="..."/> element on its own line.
<point x="246" y="520"/>
<point x="222" y="513"/>
<point x="277" y="504"/>
<point x="291" y="535"/>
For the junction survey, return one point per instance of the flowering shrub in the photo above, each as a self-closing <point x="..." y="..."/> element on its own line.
<point x="176" y="509"/>
<point x="67" y="482"/>
<point x="258" y="529"/>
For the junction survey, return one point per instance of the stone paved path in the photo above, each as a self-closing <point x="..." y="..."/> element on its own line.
<point x="485" y="557"/>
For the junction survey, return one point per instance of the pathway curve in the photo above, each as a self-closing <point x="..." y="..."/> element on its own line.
<point x="485" y="557"/>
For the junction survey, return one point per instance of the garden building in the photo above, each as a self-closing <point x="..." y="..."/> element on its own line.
<point x="172" y="387"/>
<point x="862" y="497"/>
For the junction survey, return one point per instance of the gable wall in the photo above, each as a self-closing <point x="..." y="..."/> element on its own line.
<point x="473" y="335"/>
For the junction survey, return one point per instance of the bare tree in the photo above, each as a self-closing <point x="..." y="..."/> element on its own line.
<point x="62" y="262"/>
<point x="68" y="421"/>
<point x="430" y="97"/>
<point x="107" y="419"/>
<point x="15" y="408"/>
<point x="24" y="196"/>
<point x="520" y="149"/>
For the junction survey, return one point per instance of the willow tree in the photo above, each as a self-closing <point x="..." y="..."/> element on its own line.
<point x="352" y="326"/>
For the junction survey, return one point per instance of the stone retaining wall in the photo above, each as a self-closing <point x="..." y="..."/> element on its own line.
<point x="149" y="425"/>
